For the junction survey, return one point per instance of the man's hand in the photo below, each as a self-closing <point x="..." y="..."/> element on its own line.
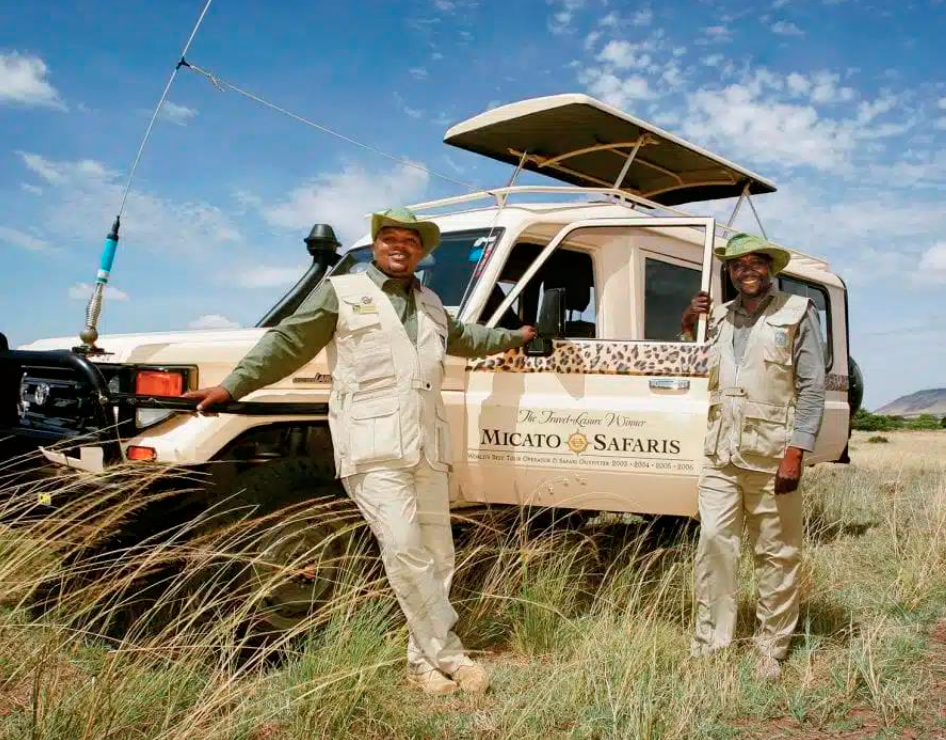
<point x="528" y="333"/>
<point x="789" y="471"/>
<point x="701" y="303"/>
<point x="208" y="397"/>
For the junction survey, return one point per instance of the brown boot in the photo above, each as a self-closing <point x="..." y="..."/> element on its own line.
<point x="472" y="678"/>
<point x="768" y="668"/>
<point x="434" y="682"/>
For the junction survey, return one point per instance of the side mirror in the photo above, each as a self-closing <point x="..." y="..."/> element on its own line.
<point x="551" y="323"/>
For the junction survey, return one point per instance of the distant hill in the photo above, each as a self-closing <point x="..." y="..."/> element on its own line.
<point x="931" y="401"/>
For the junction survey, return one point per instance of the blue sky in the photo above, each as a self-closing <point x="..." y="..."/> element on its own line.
<point x="841" y="102"/>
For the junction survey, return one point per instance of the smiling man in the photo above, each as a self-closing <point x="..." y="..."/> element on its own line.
<point x="766" y="384"/>
<point x="386" y="337"/>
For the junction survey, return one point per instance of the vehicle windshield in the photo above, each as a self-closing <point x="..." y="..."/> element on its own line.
<point x="446" y="271"/>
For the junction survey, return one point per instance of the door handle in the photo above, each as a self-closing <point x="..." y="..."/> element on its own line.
<point x="670" y="384"/>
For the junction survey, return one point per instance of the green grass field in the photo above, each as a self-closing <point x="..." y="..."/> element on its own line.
<point x="586" y="630"/>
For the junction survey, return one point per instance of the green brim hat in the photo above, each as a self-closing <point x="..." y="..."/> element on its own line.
<point x="741" y="244"/>
<point x="404" y="218"/>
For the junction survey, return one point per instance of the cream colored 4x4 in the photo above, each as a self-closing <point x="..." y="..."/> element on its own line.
<point x="605" y="412"/>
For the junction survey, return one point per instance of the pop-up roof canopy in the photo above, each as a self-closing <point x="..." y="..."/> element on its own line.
<point x="584" y="142"/>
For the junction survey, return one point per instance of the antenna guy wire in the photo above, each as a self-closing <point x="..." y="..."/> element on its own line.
<point x="157" y="108"/>
<point x="220" y="84"/>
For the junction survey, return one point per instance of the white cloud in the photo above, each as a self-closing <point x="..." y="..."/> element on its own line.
<point x="940" y="123"/>
<point x="825" y="89"/>
<point x="31" y="189"/>
<point x="22" y="240"/>
<point x="786" y="28"/>
<point x="932" y="267"/>
<point x="343" y="198"/>
<point x="406" y="109"/>
<point x="611" y="20"/>
<point x="643" y="17"/>
<point x="436" y="56"/>
<point x="712" y="60"/>
<point x="83" y="291"/>
<point x="761" y="118"/>
<point x="23" y="81"/>
<point x="591" y="39"/>
<point x="84" y="194"/>
<point x="717" y="34"/>
<point x="266" y="276"/>
<point x="418" y="73"/>
<point x="213" y="321"/>
<point x="614" y="90"/>
<point x="561" y="19"/>
<point x="624" y="55"/>
<point x="179" y="115"/>
<point x="445" y="5"/>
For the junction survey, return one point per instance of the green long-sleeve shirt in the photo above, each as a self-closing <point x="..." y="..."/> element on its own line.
<point x="300" y="337"/>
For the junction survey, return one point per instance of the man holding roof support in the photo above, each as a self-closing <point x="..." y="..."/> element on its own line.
<point x="766" y="384"/>
<point x="386" y="336"/>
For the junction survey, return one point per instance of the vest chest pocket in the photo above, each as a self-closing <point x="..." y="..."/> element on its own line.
<point x="373" y="359"/>
<point x="764" y="430"/>
<point x="779" y="343"/>
<point x="375" y="430"/>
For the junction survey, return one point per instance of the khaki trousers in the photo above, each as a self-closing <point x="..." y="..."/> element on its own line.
<point x="730" y="496"/>
<point x="409" y="514"/>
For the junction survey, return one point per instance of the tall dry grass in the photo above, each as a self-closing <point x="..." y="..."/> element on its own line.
<point x="585" y="628"/>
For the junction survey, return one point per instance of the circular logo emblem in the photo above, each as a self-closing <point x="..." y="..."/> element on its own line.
<point x="578" y="443"/>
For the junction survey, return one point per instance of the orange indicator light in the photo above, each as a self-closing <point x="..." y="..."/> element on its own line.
<point x="141" y="453"/>
<point x="159" y="383"/>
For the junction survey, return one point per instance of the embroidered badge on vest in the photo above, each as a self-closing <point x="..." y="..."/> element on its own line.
<point x="781" y="338"/>
<point x="366" y="306"/>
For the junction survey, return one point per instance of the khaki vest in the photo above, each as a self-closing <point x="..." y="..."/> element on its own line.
<point x="752" y="405"/>
<point x="385" y="409"/>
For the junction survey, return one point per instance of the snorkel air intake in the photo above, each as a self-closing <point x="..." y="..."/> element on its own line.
<point x="322" y="244"/>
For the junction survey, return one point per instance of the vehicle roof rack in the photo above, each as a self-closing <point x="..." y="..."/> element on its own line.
<point x="582" y="141"/>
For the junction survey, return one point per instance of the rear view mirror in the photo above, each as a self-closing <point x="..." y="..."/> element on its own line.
<point x="551" y="323"/>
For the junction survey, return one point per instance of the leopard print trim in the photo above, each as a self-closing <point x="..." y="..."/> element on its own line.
<point x="836" y="382"/>
<point x="595" y="357"/>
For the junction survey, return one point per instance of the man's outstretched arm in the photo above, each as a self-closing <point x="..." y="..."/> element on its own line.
<point x="476" y="340"/>
<point x="280" y="351"/>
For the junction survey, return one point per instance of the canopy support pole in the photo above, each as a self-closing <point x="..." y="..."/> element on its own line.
<point x="757" y="219"/>
<point x="735" y="211"/>
<point x="627" y="163"/>
<point x="501" y="199"/>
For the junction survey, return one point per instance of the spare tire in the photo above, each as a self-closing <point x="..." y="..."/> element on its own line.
<point x="855" y="386"/>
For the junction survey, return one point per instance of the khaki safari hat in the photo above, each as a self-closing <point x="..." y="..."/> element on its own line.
<point x="741" y="244"/>
<point x="404" y="218"/>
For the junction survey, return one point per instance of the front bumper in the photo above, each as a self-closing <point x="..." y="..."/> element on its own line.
<point x="79" y="414"/>
<point x="55" y="399"/>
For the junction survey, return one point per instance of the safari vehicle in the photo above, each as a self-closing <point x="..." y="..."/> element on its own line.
<point x="606" y="411"/>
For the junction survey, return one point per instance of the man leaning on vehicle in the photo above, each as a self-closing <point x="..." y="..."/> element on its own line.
<point x="386" y="337"/>
<point x="766" y="384"/>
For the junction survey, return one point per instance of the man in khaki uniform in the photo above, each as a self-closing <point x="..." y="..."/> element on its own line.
<point x="386" y="337"/>
<point x="766" y="383"/>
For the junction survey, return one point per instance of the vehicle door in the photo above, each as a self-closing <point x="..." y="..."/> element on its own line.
<point x="612" y="414"/>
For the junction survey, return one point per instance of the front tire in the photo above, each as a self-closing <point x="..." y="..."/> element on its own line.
<point x="278" y="544"/>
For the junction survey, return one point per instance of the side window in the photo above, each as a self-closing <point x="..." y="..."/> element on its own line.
<point x="818" y="296"/>
<point x="568" y="269"/>
<point x="573" y="271"/>
<point x="668" y="289"/>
